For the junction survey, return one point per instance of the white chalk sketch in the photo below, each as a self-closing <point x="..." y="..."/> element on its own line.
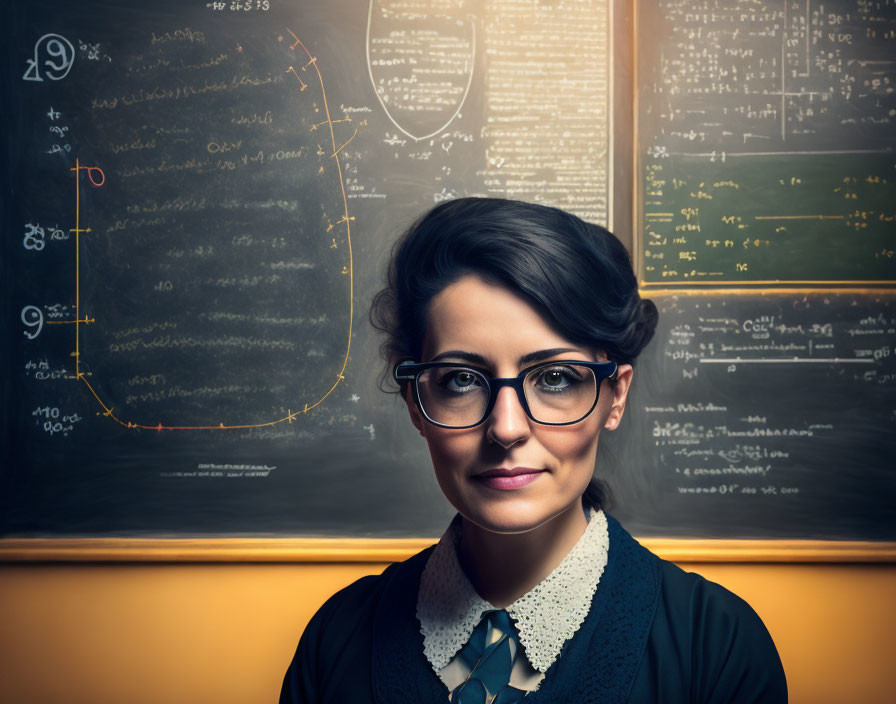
<point x="414" y="91"/>
<point x="59" y="57"/>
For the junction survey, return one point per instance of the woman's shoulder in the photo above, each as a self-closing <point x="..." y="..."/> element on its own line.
<point x="361" y="597"/>
<point x="717" y="638"/>
<point x="333" y="658"/>
<point x="708" y="608"/>
<point x="353" y="596"/>
<point x="690" y="602"/>
<point x="694" y="590"/>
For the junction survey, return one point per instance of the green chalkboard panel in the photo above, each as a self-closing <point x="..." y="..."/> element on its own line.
<point x="766" y="139"/>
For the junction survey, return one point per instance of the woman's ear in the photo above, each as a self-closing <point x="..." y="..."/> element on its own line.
<point x="416" y="418"/>
<point x="620" y="393"/>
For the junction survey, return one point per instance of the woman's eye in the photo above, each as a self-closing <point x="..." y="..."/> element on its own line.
<point x="554" y="378"/>
<point x="463" y="378"/>
<point x="460" y="381"/>
<point x="557" y="379"/>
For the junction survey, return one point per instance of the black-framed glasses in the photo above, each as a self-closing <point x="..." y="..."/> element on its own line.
<point x="453" y="395"/>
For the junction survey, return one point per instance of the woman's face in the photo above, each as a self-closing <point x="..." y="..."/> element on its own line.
<point x="477" y="323"/>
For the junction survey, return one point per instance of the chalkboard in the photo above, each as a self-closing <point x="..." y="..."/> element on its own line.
<point x="766" y="229"/>
<point x="767" y="142"/>
<point x="201" y="198"/>
<point x="765" y="416"/>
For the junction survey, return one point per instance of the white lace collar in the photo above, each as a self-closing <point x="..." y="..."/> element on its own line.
<point x="449" y="608"/>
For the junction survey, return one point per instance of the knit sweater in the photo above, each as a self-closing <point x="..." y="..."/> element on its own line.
<point x="654" y="633"/>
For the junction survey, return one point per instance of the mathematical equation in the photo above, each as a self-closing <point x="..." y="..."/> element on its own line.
<point x="800" y="218"/>
<point x="505" y="98"/>
<point x="548" y="90"/>
<point x="724" y="455"/>
<point x="753" y="387"/>
<point x="183" y="203"/>
<point x="761" y="76"/>
<point x="421" y="57"/>
<point x="766" y="143"/>
<point x="829" y="334"/>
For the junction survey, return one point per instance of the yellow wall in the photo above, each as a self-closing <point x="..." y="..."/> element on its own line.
<point x="224" y="633"/>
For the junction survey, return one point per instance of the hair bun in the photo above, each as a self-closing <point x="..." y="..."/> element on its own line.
<point x="641" y="327"/>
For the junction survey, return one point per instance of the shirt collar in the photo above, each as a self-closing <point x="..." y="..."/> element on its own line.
<point x="449" y="608"/>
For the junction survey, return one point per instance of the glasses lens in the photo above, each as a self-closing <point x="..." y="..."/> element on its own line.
<point x="560" y="393"/>
<point x="453" y="396"/>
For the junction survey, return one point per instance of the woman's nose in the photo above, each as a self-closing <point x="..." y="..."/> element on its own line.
<point x="508" y="423"/>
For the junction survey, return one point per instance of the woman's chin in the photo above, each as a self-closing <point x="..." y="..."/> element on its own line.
<point x="508" y="517"/>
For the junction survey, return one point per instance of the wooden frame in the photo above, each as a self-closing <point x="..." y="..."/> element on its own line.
<point x="376" y="550"/>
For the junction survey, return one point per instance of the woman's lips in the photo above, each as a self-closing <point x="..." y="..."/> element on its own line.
<point x="507" y="479"/>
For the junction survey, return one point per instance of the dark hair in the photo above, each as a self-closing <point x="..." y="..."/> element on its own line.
<point x="577" y="275"/>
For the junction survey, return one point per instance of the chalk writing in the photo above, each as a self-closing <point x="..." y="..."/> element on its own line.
<point x="736" y="372"/>
<point x="546" y="129"/>
<point x="774" y="121"/>
<point x="33" y="319"/>
<point x="421" y="59"/>
<point x="158" y="224"/>
<point x="34" y="237"/>
<point x="53" y="422"/>
<point x="54" y="56"/>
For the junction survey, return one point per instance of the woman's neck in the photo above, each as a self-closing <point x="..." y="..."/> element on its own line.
<point x="502" y="567"/>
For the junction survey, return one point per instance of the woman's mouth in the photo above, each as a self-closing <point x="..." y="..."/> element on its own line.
<point x="507" y="479"/>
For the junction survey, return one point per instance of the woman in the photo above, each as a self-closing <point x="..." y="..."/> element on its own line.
<point x="511" y="330"/>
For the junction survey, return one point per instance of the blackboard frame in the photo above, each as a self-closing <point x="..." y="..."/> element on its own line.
<point x="369" y="551"/>
<point x="365" y="550"/>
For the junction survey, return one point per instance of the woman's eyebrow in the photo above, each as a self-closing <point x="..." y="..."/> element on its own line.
<point x="535" y="357"/>
<point x="525" y="360"/>
<point x="470" y="357"/>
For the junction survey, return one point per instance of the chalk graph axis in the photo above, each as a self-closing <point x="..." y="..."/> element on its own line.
<point x="97" y="179"/>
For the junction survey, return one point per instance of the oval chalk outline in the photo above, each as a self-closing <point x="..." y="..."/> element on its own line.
<point x="383" y="105"/>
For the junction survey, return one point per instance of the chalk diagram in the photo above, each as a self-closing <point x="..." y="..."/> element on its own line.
<point x="421" y="64"/>
<point x="299" y="77"/>
<point x="794" y="184"/>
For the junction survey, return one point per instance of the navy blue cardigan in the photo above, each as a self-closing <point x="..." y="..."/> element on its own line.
<point x="654" y="634"/>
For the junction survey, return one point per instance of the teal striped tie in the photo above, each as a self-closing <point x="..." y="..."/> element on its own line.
<point x="490" y="657"/>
